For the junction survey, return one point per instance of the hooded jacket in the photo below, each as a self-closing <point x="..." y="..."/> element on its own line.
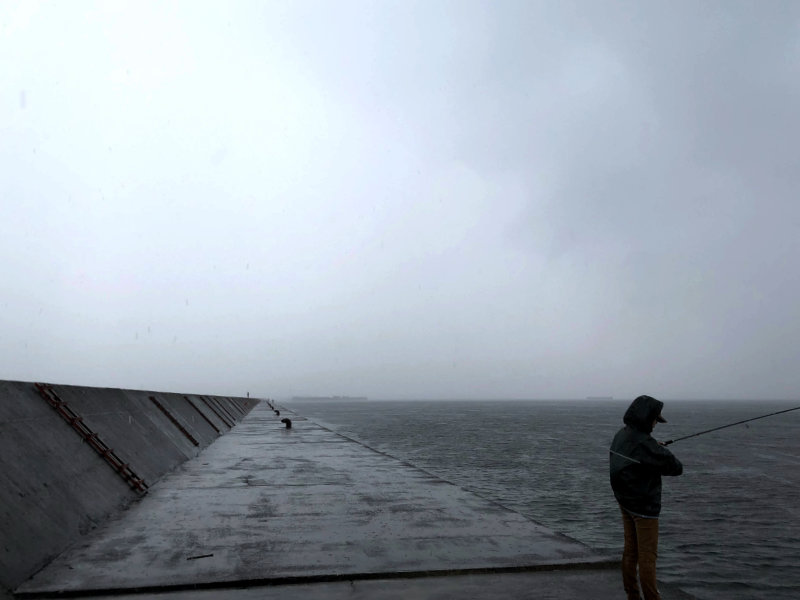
<point x="637" y="461"/>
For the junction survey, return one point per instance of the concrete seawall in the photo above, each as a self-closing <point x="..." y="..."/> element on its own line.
<point x="304" y="512"/>
<point x="71" y="457"/>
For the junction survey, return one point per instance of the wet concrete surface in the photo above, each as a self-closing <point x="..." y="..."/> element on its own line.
<point x="265" y="507"/>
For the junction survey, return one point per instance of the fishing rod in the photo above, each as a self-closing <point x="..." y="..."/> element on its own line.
<point x="686" y="437"/>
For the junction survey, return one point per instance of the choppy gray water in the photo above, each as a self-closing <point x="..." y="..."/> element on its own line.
<point x="729" y="526"/>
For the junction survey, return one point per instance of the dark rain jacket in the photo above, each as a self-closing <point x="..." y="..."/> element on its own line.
<point x="637" y="461"/>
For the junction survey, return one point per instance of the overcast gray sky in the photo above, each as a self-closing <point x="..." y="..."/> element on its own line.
<point x="402" y="199"/>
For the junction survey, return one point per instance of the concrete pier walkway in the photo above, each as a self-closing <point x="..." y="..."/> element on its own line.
<point x="267" y="512"/>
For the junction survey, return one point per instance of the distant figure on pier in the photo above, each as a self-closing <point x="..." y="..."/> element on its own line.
<point x="637" y="462"/>
<point x="288" y="423"/>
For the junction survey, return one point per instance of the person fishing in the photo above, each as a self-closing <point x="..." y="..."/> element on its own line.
<point x="636" y="463"/>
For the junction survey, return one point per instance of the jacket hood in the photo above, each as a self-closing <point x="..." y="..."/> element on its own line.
<point x="642" y="412"/>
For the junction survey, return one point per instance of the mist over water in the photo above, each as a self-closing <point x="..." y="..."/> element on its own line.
<point x="402" y="199"/>
<point x="728" y="525"/>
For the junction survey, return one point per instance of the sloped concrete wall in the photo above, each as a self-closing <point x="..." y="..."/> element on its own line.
<point x="56" y="486"/>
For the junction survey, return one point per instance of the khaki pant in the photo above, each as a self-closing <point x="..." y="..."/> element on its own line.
<point x="641" y="549"/>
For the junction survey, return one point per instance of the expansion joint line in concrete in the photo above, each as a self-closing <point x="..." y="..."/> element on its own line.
<point x="47" y="392"/>
<point x="226" y="409"/>
<point x="323" y="578"/>
<point x="202" y="414"/>
<point x="174" y="421"/>
<point x="235" y="407"/>
<point x="210" y="404"/>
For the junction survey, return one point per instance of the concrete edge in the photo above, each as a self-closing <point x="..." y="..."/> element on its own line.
<point x="435" y="476"/>
<point x="600" y="564"/>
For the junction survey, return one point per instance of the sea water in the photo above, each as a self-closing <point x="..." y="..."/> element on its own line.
<point x="729" y="525"/>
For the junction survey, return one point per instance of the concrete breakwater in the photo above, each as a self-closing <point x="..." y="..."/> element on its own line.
<point x="72" y="456"/>
<point x="269" y="511"/>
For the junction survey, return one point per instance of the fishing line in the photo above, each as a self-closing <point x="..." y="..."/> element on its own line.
<point x="686" y="437"/>
<point x="638" y="462"/>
